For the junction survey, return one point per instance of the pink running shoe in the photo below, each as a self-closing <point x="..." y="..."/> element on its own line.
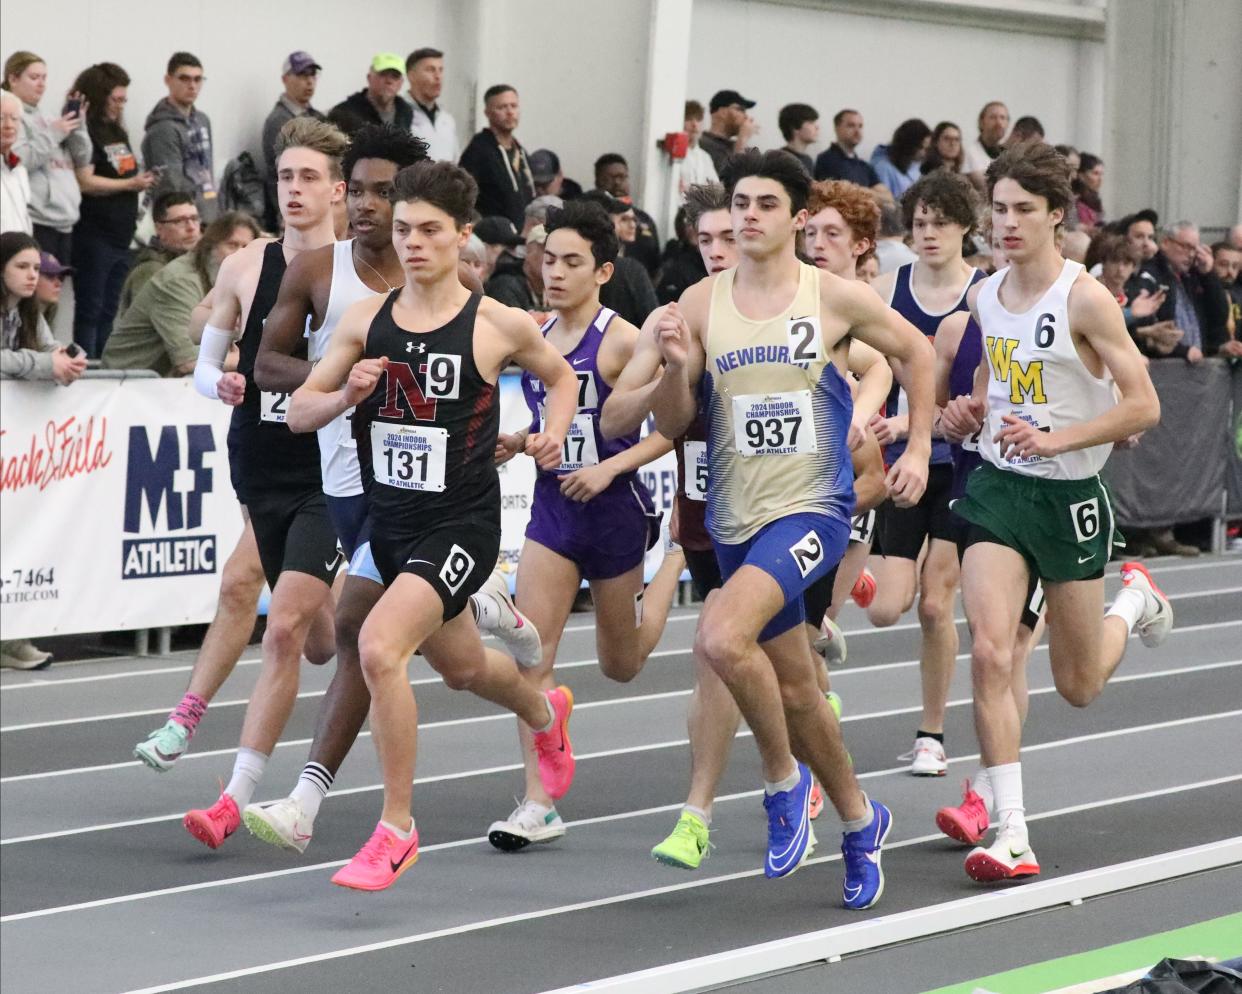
<point x="555" y="752"/>
<point x="864" y="589"/>
<point x="817" y="800"/>
<point x="378" y="864"/>
<point x="968" y="821"/>
<point x="217" y="823"/>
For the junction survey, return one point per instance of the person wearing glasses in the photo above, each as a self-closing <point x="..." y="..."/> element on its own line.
<point x="177" y="144"/>
<point x="178" y="228"/>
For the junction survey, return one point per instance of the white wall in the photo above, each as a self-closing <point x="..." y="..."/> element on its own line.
<point x="241" y="45"/>
<point x="891" y="69"/>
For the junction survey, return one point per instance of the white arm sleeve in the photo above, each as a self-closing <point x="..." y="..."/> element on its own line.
<point x="212" y="351"/>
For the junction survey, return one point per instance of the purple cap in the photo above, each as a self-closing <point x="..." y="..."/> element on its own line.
<point x="299" y="64"/>
<point x="49" y="265"/>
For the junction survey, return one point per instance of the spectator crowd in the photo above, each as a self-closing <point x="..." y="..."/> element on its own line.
<point x="140" y="223"/>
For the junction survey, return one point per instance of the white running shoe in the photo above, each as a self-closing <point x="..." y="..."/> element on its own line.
<point x="927" y="759"/>
<point x="281" y="823"/>
<point x="1010" y="857"/>
<point x="1156" y="621"/>
<point x="831" y="643"/>
<point x="515" y="629"/>
<point x="529" y="822"/>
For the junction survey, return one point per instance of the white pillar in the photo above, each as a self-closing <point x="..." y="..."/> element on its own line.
<point x="668" y="56"/>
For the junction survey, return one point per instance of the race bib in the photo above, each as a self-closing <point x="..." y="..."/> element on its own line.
<point x="578" y="449"/>
<point x="696" y="470"/>
<point x="862" y="527"/>
<point x="1034" y="422"/>
<point x="774" y="424"/>
<point x="409" y="457"/>
<point x="806" y="339"/>
<point x="274" y="406"/>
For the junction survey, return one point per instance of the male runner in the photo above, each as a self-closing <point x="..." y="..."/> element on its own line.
<point x="1044" y="409"/>
<point x="940" y="210"/>
<point x="277" y="473"/>
<point x="320" y="286"/>
<point x="592" y="518"/>
<point x="767" y="343"/>
<point x="421" y="364"/>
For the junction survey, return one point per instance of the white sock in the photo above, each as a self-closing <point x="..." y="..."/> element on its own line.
<point x="407" y="834"/>
<point x="982" y="785"/>
<point x="551" y="717"/>
<point x="858" y="824"/>
<point x="789" y="783"/>
<point x="487" y="614"/>
<point x="1007" y="790"/>
<point x="247" y="771"/>
<point x="704" y="816"/>
<point x="312" y="787"/>
<point x="1128" y="606"/>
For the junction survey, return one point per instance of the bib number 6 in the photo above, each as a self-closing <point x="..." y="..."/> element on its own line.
<point x="1086" y="518"/>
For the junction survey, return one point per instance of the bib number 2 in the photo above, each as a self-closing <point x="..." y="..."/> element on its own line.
<point x="273" y="407"/>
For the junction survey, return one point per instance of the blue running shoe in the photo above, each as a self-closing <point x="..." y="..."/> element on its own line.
<point x="864" y="878"/>
<point x="790" y="839"/>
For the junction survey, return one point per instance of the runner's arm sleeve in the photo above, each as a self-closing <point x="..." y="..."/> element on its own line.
<point x="212" y="351"/>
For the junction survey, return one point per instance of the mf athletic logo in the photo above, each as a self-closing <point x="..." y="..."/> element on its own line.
<point x="166" y="481"/>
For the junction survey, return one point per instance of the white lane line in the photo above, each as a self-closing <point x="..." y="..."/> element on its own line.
<point x="651" y="747"/>
<point x="616" y="899"/>
<point x="574" y="664"/>
<point x="297" y="743"/>
<point x="41" y="683"/>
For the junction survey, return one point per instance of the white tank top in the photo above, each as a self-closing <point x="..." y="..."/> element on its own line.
<point x="1035" y="373"/>
<point x="338" y="453"/>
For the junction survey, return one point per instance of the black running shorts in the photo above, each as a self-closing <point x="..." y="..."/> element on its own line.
<point x="901" y="530"/>
<point x="455" y="557"/>
<point x="293" y="532"/>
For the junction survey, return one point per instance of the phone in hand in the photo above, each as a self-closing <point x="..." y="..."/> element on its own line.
<point x="73" y="350"/>
<point x="72" y="106"/>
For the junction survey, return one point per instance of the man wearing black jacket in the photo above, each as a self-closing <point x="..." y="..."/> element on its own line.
<point x="1196" y="300"/>
<point x="630" y="292"/>
<point x="379" y="102"/>
<point x="612" y="175"/>
<point x="497" y="160"/>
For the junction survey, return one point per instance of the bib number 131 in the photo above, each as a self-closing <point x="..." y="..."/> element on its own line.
<point x="409" y="457"/>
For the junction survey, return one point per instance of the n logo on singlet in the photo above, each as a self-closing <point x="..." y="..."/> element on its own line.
<point x="1022" y="380"/>
<point x="399" y="377"/>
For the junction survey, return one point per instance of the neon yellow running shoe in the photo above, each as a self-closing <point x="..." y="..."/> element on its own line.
<point x="834" y="702"/>
<point x="686" y="846"/>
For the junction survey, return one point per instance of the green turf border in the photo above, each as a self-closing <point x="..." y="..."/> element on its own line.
<point x="1219" y="938"/>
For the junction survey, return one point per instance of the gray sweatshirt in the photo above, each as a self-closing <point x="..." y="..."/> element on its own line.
<point x="26" y="364"/>
<point x="181" y="146"/>
<point x="50" y="158"/>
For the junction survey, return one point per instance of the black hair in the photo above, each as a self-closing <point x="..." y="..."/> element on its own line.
<point x="839" y="116"/>
<point x="96" y="84"/>
<point x="168" y="200"/>
<point x="775" y="164"/>
<point x="180" y="59"/>
<point x="497" y="90"/>
<point x="11" y="243"/>
<point x="951" y="195"/>
<point x="1026" y="128"/>
<point x="441" y="184"/>
<point x="907" y="140"/>
<point x="592" y="222"/>
<point x="610" y="159"/>
<point x="419" y="54"/>
<point x="383" y="141"/>
<point x="793" y="116"/>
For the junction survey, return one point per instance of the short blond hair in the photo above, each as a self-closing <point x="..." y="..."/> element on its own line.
<point x="319" y="136"/>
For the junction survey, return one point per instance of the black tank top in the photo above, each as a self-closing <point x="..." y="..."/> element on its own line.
<point x="272" y="459"/>
<point x="427" y="434"/>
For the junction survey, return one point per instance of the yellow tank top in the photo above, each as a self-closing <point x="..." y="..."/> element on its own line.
<point x="778" y="415"/>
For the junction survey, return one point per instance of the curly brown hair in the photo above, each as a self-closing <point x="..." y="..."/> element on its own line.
<point x="950" y="195"/>
<point x="1036" y="167"/>
<point x="856" y="205"/>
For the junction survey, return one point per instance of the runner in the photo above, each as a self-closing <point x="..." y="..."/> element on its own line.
<point x="917" y="552"/>
<point x="319" y="287"/>
<point x="779" y="504"/>
<point x="421" y="364"/>
<point x="275" y="473"/>
<point x="1045" y="413"/>
<point x="592" y="518"/>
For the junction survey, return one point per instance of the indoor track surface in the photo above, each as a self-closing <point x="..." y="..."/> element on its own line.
<point x="104" y="891"/>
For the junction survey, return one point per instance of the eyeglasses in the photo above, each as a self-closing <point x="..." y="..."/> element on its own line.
<point x="189" y="219"/>
<point x="180" y="78"/>
<point x="1184" y="245"/>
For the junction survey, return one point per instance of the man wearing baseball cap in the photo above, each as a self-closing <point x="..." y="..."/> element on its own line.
<point x="300" y="75"/>
<point x="731" y="126"/>
<point x="378" y="102"/>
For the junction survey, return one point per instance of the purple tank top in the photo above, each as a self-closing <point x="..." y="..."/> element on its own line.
<point x="962" y="381"/>
<point x="584" y="445"/>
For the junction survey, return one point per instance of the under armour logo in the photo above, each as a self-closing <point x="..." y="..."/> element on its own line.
<point x="422" y="347"/>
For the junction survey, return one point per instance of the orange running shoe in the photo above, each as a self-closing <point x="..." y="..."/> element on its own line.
<point x="378" y="864"/>
<point x="864" y="589"/>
